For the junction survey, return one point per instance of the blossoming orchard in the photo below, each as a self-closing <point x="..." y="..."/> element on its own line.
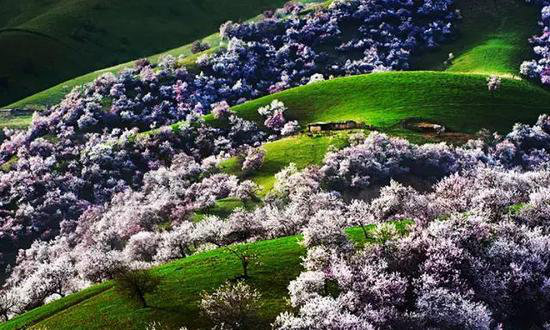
<point x="123" y="174"/>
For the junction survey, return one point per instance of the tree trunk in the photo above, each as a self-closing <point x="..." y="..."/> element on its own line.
<point x="365" y="232"/>
<point x="141" y="298"/>
<point x="245" y="267"/>
<point x="184" y="250"/>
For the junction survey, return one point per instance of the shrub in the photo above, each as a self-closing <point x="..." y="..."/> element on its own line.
<point x="253" y="160"/>
<point x="199" y="46"/>
<point x="232" y="306"/>
<point x="493" y="83"/>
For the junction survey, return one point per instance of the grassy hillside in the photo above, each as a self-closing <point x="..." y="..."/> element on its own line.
<point x="493" y="41"/>
<point x="55" y="94"/>
<point x="302" y="150"/>
<point x="176" y="302"/>
<point x="459" y="101"/>
<point x="47" y="42"/>
<point x="493" y="38"/>
<point x="15" y="122"/>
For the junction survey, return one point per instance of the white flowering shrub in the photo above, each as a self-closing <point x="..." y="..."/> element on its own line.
<point x="253" y="160"/>
<point x="494" y="83"/>
<point x="290" y="128"/>
<point x="274" y="113"/>
<point x="232" y="306"/>
<point x="316" y="78"/>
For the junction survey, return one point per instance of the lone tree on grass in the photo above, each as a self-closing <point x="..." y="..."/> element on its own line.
<point x="232" y="306"/>
<point x="245" y="255"/>
<point x="135" y="284"/>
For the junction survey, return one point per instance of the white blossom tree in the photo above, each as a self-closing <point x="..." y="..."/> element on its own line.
<point x="232" y="306"/>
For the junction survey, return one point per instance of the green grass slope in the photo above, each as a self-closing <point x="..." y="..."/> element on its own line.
<point x="55" y="94"/>
<point x="302" y="150"/>
<point x="176" y="302"/>
<point x="47" y="42"/>
<point x="461" y="102"/>
<point x="43" y="312"/>
<point x="493" y="38"/>
<point x="15" y="122"/>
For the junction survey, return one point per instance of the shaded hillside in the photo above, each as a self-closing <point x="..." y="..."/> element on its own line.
<point x="46" y="42"/>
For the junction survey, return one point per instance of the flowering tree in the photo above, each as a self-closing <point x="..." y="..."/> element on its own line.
<point x="290" y="128"/>
<point x="461" y="271"/>
<point x="493" y="83"/>
<point x="274" y="113"/>
<point x="142" y="246"/>
<point x="8" y="302"/>
<point x="176" y="243"/>
<point x="246" y="257"/>
<point x="220" y="110"/>
<point x="253" y="160"/>
<point x="231" y="306"/>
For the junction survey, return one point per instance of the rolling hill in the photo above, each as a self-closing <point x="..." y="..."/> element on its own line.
<point x="493" y="41"/>
<point x="459" y="101"/>
<point x="176" y="302"/>
<point x="47" y="42"/>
